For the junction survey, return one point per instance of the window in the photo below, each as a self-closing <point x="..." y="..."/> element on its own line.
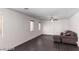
<point x="31" y="25"/>
<point x="39" y="26"/>
<point x="0" y="24"/>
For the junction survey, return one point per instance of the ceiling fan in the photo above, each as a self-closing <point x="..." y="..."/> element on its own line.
<point x="26" y="8"/>
<point x="53" y="18"/>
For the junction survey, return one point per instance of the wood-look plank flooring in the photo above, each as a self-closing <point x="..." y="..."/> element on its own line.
<point x="45" y="43"/>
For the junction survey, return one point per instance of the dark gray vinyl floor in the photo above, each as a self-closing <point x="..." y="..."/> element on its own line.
<point x="45" y="43"/>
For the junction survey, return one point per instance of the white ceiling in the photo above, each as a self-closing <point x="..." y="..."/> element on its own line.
<point x="46" y="13"/>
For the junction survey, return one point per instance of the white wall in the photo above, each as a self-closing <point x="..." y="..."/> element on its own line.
<point x="56" y="27"/>
<point x="16" y="29"/>
<point x="74" y="23"/>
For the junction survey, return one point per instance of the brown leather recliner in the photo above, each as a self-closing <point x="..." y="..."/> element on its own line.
<point x="69" y="37"/>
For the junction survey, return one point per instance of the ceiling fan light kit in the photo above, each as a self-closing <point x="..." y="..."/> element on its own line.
<point x="53" y="19"/>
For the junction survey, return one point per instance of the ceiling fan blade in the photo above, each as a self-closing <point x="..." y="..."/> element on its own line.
<point x="26" y="8"/>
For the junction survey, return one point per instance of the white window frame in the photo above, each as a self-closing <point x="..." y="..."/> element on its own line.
<point x="39" y="26"/>
<point x="31" y="25"/>
<point x="1" y="25"/>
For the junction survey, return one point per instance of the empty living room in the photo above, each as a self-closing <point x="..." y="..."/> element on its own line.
<point x="39" y="29"/>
